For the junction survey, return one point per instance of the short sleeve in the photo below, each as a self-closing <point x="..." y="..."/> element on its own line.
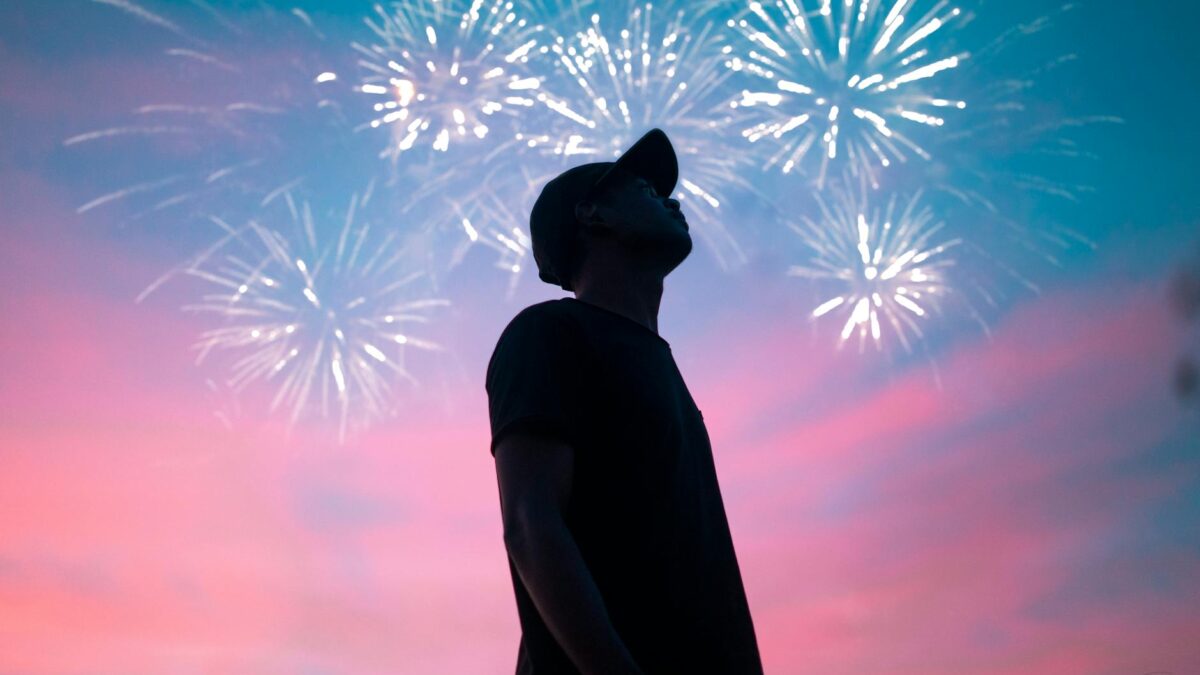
<point x="533" y="377"/>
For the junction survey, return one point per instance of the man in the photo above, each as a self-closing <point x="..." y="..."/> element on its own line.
<point x="618" y="544"/>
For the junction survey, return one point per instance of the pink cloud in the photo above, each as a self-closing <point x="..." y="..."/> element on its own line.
<point x="914" y="529"/>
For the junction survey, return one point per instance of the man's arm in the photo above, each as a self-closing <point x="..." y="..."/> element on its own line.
<point x="535" y="483"/>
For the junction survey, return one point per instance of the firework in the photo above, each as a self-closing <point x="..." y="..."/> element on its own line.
<point x="448" y="72"/>
<point x="887" y="267"/>
<point x="559" y="12"/>
<point x="642" y="67"/>
<point x="842" y="82"/>
<point x="489" y="220"/>
<point x="1011" y="146"/>
<point x="326" y="314"/>
<point x="251" y="120"/>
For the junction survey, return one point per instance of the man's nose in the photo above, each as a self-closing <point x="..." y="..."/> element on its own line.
<point x="672" y="203"/>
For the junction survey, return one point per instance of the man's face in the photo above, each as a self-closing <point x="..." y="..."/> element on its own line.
<point x="648" y="224"/>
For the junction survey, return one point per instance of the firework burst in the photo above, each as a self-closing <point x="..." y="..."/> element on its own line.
<point x="492" y="216"/>
<point x="640" y="67"/>
<point x="322" y="313"/>
<point x="560" y="12"/>
<point x="1012" y="146"/>
<point x="489" y="221"/>
<point x="447" y="72"/>
<point x="887" y="267"/>
<point x="841" y="82"/>
<point x="257" y="111"/>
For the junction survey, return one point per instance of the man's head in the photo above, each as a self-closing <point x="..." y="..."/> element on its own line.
<point x="619" y="209"/>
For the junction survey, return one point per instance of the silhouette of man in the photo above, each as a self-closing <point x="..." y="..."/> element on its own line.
<point x="618" y="545"/>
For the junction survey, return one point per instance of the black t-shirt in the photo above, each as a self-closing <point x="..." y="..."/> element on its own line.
<point x="645" y="507"/>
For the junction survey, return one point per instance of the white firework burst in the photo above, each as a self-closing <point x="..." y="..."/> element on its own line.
<point x="841" y="81"/>
<point x="446" y="71"/>
<point x="488" y="219"/>
<point x="323" y="314"/>
<point x="240" y="129"/>
<point x="638" y="67"/>
<point x="887" y="267"/>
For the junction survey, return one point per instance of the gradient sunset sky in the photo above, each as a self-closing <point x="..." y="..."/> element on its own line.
<point x="1020" y="500"/>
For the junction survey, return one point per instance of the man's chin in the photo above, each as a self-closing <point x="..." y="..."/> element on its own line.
<point x="678" y="249"/>
<point x="666" y="250"/>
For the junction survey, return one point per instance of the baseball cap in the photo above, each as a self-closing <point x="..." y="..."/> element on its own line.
<point x="552" y="222"/>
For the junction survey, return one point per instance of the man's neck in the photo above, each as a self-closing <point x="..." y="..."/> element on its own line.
<point x="636" y="296"/>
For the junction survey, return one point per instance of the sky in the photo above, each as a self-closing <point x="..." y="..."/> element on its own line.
<point x="1018" y="493"/>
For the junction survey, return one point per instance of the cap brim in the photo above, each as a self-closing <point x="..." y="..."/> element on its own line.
<point x="652" y="157"/>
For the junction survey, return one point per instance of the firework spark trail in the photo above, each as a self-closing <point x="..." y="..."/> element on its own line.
<point x="321" y="313"/>
<point x="841" y="82"/>
<point x="447" y="72"/>
<point x="489" y="220"/>
<point x="1004" y="149"/>
<point x="234" y="142"/>
<point x="559" y="12"/>
<point x="1000" y="121"/>
<point x="472" y="207"/>
<point x="888" y="266"/>
<point x="640" y="67"/>
<point x="146" y="15"/>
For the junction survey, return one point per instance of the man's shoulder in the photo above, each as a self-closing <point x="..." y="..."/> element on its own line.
<point x="546" y="328"/>
<point x="542" y="321"/>
<point x="546" y="315"/>
<point x="552" y="308"/>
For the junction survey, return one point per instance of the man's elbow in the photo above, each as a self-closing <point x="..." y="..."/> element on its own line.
<point x="530" y="526"/>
